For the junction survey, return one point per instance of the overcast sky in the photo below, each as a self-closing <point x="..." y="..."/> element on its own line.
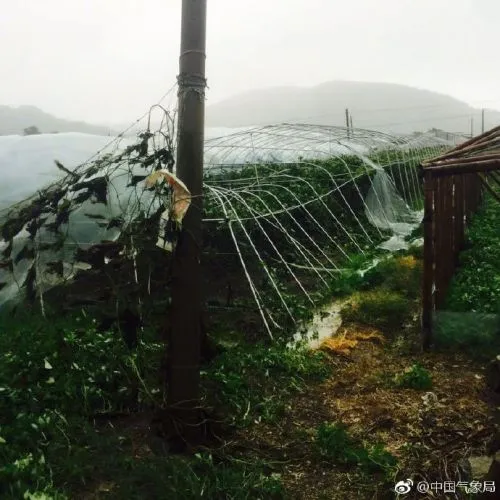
<point x="106" y="61"/>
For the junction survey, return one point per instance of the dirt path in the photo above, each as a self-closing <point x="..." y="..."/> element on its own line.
<point x="431" y="434"/>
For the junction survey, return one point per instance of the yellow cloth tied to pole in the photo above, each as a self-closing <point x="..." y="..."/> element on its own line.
<point x="180" y="202"/>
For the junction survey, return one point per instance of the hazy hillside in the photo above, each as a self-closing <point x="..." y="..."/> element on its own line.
<point x="15" y="120"/>
<point x="380" y="106"/>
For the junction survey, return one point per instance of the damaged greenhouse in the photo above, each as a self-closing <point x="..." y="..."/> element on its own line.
<point x="286" y="208"/>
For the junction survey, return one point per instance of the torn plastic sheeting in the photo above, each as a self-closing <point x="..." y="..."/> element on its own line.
<point x="387" y="210"/>
<point x="171" y="219"/>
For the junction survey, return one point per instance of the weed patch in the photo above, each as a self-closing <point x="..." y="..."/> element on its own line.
<point x="476" y="284"/>
<point x="55" y="377"/>
<point x="473" y="332"/>
<point x="204" y="476"/>
<point x="334" y="443"/>
<point x="380" y="308"/>
<point x="415" y="377"/>
<point x="398" y="274"/>
<point x="254" y="382"/>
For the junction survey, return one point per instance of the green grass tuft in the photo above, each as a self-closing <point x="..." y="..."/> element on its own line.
<point x="380" y="308"/>
<point x="415" y="377"/>
<point x="254" y="382"/>
<point x="334" y="443"/>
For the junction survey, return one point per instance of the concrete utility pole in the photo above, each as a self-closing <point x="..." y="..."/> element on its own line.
<point x="183" y="356"/>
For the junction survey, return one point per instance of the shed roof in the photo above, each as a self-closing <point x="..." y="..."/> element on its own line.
<point x="479" y="154"/>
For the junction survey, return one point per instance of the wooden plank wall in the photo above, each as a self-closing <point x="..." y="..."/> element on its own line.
<point x="449" y="202"/>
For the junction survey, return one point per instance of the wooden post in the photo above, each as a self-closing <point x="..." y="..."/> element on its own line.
<point x="480" y="189"/>
<point x="439" y="238"/>
<point x="447" y="259"/>
<point x="475" y="193"/>
<point x="459" y="216"/>
<point x="428" y="274"/>
<point x="347" y="122"/>
<point x="467" y="197"/>
<point x="184" y="339"/>
<point x="454" y="221"/>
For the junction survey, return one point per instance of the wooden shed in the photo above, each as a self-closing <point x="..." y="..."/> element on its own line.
<point x="454" y="183"/>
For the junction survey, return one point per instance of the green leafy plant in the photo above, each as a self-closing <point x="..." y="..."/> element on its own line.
<point x="334" y="443"/>
<point x="476" y="284"/>
<point x="253" y="382"/>
<point x="474" y="332"/>
<point x="54" y="376"/>
<point x="415" y="377"/>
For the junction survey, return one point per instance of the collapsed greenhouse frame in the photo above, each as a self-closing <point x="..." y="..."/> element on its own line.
<point x="262" y="209"/>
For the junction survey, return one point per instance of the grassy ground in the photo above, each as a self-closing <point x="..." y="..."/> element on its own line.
<point x="77" y="407"/>
<point x="347" y="421"/>
<point x="405" y="436"/>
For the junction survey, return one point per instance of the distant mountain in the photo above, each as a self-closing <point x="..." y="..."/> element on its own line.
<point x="380" y="106"/>
<point x="14" y="120"/>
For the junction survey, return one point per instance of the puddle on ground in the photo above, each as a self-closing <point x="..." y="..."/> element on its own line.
<point x="327" y="321"/>
<point x="324" y="324"/>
